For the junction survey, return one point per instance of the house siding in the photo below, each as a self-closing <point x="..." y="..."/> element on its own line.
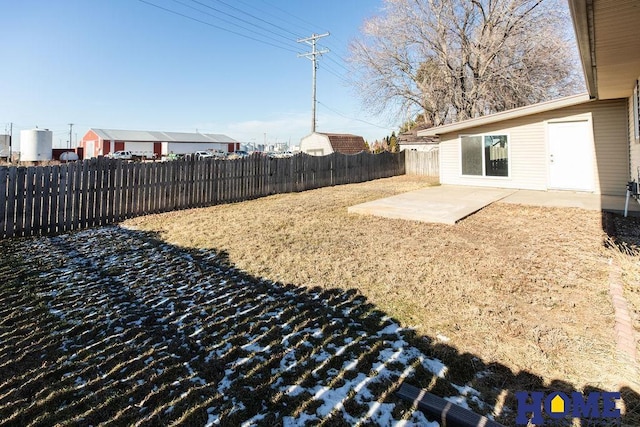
<point x="529" y="152"/>
<point x="611" y="144"/>
<point x="311" y="143"/>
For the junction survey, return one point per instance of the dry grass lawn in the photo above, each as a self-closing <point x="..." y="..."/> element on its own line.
<point x="522" y="288"/>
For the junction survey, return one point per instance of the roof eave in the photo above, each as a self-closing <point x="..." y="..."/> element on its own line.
<point x="508" y="115"/>
<point x="582" y="14"/>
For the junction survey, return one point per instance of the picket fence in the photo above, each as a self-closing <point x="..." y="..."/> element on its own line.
<point x="48" y="200"/>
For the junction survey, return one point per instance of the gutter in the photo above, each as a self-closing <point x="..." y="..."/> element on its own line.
<point x="582" y="14"/>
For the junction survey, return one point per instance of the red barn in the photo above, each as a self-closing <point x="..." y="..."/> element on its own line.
<point x="100" y="142"/>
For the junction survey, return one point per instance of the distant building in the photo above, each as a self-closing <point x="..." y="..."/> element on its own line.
<point x="321" y="144"/>
<point x="411" y="141"/>
<point x="100" y="142"/>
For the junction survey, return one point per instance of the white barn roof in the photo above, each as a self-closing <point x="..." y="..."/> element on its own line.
<point x="155" y="136"/>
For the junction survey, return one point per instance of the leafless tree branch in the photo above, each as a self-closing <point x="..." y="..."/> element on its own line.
<point x="457" y="59"/>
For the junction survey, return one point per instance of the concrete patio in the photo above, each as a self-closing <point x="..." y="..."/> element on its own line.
<point x="448" y="204"/>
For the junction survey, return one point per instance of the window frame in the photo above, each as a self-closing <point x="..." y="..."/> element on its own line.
<point x="484" y="164"/>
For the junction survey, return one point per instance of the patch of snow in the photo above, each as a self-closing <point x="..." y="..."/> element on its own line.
<point x="458" y="400"/>
<point x="252" y="421"/>
<point x="466" y="390"/>
<point x="198" y="380"/>
<point x="241" y="361"/>
<point x="435" y="366"/>
<point x="254" y="347"/>
<point x="390" y="329"/>
<point x="294" y="390"/>
<point x="196" y="332"/>
<point x="288" y="361"/>
<point x="350" y="365"/>
<point x="443" y="338"/>
<point x="212" y="418"/>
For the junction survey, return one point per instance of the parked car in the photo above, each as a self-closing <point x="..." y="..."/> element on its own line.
<point x="122" y="155"/>
<point x="203" y="154"/>
<point x="132" y="155"/>
<point x="172" y="156"/>
<point x="238" y="154"/>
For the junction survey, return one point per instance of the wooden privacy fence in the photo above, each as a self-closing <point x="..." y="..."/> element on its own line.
<point x="423" y="162"/>
<point x="55" y="199"/>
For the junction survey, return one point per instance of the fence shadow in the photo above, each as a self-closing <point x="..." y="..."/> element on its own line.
<point x="118" y="327"/>
<point x="623" y="233"/>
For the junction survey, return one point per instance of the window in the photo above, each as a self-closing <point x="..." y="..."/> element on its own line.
<point x="484" y="155"/>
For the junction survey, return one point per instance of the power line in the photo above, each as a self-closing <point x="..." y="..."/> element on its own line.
<point x="330" y="58"/>
<point x="215" y="26"/>
<point x="279" y="18"/>
<point x="255" y="17"/>
<point x="292" y="15"/>
<point x="351" y="118"/>
<point x="342" y="76"/>
<point x="309" y="26"/>
<point x="236" y="18"/>
<point x="337" y="74"/>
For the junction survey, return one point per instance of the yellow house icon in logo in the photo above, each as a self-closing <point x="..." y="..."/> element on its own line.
<point x="557" y="405"/>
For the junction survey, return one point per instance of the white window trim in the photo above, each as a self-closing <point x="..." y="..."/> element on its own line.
<point x="484" y="172"/>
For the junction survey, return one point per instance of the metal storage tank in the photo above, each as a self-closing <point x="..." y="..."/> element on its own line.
<point x="36" y="145"/>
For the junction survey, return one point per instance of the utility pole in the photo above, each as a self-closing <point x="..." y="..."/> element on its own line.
<point x="70" y="128"/>
<point x="10" y="141"/>
<point x="312" y="56"/>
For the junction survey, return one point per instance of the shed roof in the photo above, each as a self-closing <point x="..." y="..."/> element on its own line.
<point x="345" y="143"/>
<point x="156" y="136"/>
<point x="507" y="115"/>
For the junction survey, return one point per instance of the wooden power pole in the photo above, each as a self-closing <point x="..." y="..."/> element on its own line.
<point x="313" y="56"/>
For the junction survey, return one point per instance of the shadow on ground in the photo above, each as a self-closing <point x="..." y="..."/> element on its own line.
<point x="623" y="233"/>
<point x="115" y="326"/>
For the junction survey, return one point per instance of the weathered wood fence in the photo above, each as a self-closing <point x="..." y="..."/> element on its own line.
<point x="422" y="162"/>
<point x="40" y="200"/>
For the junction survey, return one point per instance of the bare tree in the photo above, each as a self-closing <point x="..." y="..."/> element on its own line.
<point x="452" y="60"/>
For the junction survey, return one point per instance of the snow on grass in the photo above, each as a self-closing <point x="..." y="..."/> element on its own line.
<point x="161" y="322"/>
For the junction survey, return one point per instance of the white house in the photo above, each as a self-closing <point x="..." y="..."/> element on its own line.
<point x="588" y="142"/>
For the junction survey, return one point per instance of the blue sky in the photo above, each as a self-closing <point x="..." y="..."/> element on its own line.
<point x="125" y="64"/>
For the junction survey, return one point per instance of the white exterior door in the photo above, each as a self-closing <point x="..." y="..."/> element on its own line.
<point x="89" y="149"/>
<point x="570" y="155"/>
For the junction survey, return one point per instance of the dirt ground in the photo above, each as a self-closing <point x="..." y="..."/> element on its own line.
<point x="521" y="288"/>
